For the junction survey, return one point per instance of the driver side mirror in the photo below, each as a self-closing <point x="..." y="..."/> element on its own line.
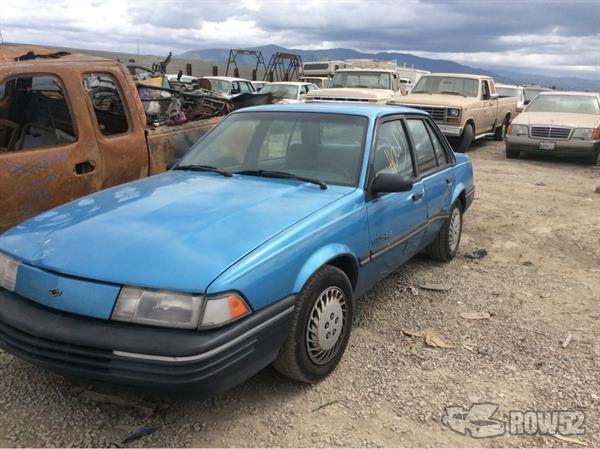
<point x="494" y="96"/>
<point x="389" y="182"/>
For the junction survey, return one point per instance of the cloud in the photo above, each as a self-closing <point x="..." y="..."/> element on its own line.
<point x="557" y="35"/>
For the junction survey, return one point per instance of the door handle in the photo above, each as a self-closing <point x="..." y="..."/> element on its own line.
<point x="84" y="167"/>
<point x="417" y="195"/>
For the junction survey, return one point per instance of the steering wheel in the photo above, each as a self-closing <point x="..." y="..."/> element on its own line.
<point x="13" y="135"/>
<point x="336" y="168"/>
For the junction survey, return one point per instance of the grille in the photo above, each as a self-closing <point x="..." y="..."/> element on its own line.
<point x="437" y="114"/>
<point x="550" y="132"/>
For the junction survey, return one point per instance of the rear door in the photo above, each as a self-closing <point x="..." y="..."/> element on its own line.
<point x="396" y="220"/>
<point x="434" y="163"/>
<point x="48" y="154"/>
<point x="119" y="137"/>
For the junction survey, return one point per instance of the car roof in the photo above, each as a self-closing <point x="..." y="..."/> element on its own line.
<point x="290" y="83"/>
<point x="508" y="85"/>
<point x="372" y="111"/>
<point x="461" y="75"/>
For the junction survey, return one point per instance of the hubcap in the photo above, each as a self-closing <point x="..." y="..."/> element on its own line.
<point x="454" y="231"/>
<point x="326" y="325"/>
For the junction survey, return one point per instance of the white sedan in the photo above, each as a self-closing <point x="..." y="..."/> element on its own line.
<point x="287" y="91"/>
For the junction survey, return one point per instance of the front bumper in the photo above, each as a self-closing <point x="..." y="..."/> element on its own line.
<point x="569" y="148"/>
<point x="450" y="130"/>
<point x="205" y="362"/>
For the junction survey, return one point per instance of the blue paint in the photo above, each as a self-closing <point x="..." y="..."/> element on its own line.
<point x="204" y="233"/>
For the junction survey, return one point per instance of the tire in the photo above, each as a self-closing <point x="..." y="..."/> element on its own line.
<point x="466" y="139"/>
<point x="319" y="315"/>
<point x="512" y="154"/>
<point x="594" y="159"/>
<point x="445" y="246"/>
<point x="500" y="131"/>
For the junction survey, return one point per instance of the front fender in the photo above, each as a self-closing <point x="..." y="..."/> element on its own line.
<point x="318" y="259"/>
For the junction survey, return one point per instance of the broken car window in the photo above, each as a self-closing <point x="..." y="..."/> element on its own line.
<point x="36" y="114"/>
<point x="106" y="99"/>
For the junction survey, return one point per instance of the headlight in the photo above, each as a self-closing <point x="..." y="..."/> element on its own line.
<point x="453" y="112"/>
<point x="518" y="130"/>
<point x="175" y="309"/>
<point x="8" y="272"/>
<point x="587" y="133"/>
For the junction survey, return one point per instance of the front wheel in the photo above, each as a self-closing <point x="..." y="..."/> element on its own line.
<point x="512" y="154"/>
<point x="320" y="329"/>
<point x="595" y="159"/>
<point x="445" y="245"/>
<point x="466" y="139"/>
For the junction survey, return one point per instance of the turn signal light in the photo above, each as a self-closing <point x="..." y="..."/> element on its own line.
<point x="596" y="134"/>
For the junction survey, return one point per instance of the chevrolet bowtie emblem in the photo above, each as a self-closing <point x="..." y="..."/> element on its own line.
<point x="54" y="292"/>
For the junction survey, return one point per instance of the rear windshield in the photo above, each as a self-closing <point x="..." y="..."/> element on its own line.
<point x="507" y="91"/>
<point x="449" y="85"/>
<point x="576" y="104"/>
<point x="288" y="91"/>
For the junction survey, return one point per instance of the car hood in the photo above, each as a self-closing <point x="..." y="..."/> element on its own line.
<point x="559" y="119"/>
<point x="342" y="92"/>
<point x="178" y="230"/>
<point x="435" y="100"/>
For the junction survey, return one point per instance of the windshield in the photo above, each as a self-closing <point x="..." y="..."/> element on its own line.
<point x="327" y="147"/>
<point x="507" y="91"/>
<point x="531" y="93"/>
<point x="368" y="80"/>
<point x="452" y="85"/>
<point x="220" y="85"/>
<point x="288" y="91"/>
<point x="576" y="104"/>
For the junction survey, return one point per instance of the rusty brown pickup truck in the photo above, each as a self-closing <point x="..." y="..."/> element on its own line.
<point x="63" y="136"/>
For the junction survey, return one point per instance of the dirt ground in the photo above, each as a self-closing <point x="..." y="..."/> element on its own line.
<point x="539" y="220"/>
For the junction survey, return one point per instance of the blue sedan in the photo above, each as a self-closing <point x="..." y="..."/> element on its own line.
<point x="251" y="251"/>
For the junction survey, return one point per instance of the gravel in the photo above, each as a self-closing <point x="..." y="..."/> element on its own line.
<point x="539" y="283"/>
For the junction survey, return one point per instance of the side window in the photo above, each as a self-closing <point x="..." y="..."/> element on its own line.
<point x="244" y="87"/>
<point x="37" y="114"/>
<point x="440" y="153"/>
<point x="485" y="90"/>
<point x="303" y="90"/>
<point x="106" y="99"/>
<point x="392" y="154"/>
<point x="423" y="146"/>
<point x="235" y="87"/>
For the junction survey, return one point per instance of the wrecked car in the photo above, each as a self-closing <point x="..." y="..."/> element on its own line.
<point x="252" y="250"/>
<point x="74" y="124"/>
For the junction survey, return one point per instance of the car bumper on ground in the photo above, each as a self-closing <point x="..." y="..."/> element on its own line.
<point x="205" y="362"/>
<point x="568" y="148"/>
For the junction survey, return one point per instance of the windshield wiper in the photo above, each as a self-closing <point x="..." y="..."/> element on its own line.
<point x="281" y="174"/>
<point x="210" y="168"/>
<point x="420" y="92"/>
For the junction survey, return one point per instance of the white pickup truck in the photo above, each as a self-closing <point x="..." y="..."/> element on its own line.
<point x="466" y="107"/>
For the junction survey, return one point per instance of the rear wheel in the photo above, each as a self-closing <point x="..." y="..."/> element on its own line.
<point x="466" y="139"/>
<point x="445" y="245"/>
<point x="320" y="329"/>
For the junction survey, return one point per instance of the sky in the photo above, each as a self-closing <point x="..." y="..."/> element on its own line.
<point x="553" y="37"/>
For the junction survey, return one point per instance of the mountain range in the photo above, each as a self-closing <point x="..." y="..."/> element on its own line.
<point x="219" y="55"/>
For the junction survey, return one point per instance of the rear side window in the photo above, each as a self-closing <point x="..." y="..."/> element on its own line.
<point x="37" y="115"/>
<point x="423" y="145"/>
<point x="106" y="99"/>
<point x="392" y="154"/>
<point x="440" y="153"/>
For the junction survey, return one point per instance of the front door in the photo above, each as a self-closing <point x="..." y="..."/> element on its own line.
<point x="397" y="221"/>
<point x="47" y="155"/>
